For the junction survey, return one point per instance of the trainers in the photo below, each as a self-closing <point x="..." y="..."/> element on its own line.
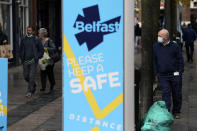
<point x="29" y="94"/>
<point x="177" y="116"/>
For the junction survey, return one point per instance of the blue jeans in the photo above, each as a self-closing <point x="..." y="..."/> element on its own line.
<point x="29" y="72"/>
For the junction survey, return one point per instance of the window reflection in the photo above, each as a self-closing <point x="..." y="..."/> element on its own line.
<point x="5" y="19"/>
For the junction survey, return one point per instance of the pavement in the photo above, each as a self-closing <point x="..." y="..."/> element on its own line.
<point x="42" y="112"/>
<point x="188" y="121"/>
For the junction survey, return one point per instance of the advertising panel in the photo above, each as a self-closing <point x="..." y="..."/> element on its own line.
<point x="93" y="57"/>
<point x="3" y="93"/>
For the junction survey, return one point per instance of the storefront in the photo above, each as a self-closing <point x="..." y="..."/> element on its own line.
<point x="16" y="15"/>
<point x="14" y="18"/>
<point x="49" y="17"/>
<point x="5" y="19"/>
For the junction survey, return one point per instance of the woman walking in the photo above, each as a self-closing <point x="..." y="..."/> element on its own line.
<point x="50" y="48"/>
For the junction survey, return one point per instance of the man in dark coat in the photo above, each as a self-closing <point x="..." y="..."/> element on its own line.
<point x="31" y="50"/>
<point x="168" y="67"/>
<point x="189" y="36"/>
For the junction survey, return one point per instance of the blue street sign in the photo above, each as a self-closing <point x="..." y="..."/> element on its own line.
<point x="3" y="93"/>
<point x="93" y="62"/>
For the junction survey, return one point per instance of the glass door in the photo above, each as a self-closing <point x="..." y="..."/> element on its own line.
<point x="5" y="19"/>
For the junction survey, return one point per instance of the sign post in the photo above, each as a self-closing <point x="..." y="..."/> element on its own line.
<point x="96" y="51"/>
<point x="3" y="93"/>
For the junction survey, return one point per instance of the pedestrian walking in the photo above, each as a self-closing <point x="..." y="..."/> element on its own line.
<point x="189" y="36"/>
<point x="137" y="35"/>
<point x="168" y="67"/>
<point x="49" y="46"/>
<point x="31" y="50"/>
<point x="3" y="36"/>
<point x="178" y="40"/>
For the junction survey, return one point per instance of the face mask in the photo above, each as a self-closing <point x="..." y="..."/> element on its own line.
<point x="160" y="39"/>
<point x="29" y="35"/>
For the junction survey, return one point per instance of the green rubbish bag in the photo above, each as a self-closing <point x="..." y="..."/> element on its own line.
<point x="158" y="118"/>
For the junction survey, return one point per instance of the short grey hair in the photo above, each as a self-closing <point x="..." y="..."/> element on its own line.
<point x="43" y="31"/>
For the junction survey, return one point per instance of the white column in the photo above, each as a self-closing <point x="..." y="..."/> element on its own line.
<point x="129" y="112"/>
<point x="27" y="14"/>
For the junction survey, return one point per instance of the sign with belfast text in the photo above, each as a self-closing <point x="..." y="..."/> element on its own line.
<point x="93" y="65"/>
<point x="3" y="93"/>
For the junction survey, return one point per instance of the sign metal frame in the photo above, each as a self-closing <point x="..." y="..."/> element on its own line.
<point x="127" y="98"/>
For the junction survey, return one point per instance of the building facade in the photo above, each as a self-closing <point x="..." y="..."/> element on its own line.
<point x="12" y="13"/>
<point x="16" y="15"/>
<point x="51" y="21"/>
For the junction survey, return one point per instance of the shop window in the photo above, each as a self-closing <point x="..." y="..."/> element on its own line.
<point x="5" y="19"/>
<point x="23" y="18"/>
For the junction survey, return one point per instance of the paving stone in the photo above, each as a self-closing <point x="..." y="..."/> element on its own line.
<point x="188" y="121"/>
<point x="20" y="108"/>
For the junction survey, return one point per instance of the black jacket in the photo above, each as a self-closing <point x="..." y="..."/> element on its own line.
<point x="3" y="37"/>
<point x="50" y="45"/>
<point x="38" y="49"/>
<point x="189" y="35"/>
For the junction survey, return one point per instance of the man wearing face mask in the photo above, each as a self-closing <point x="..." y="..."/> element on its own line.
<point x="168" y="67"/>
<point x="31" y="50"/>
